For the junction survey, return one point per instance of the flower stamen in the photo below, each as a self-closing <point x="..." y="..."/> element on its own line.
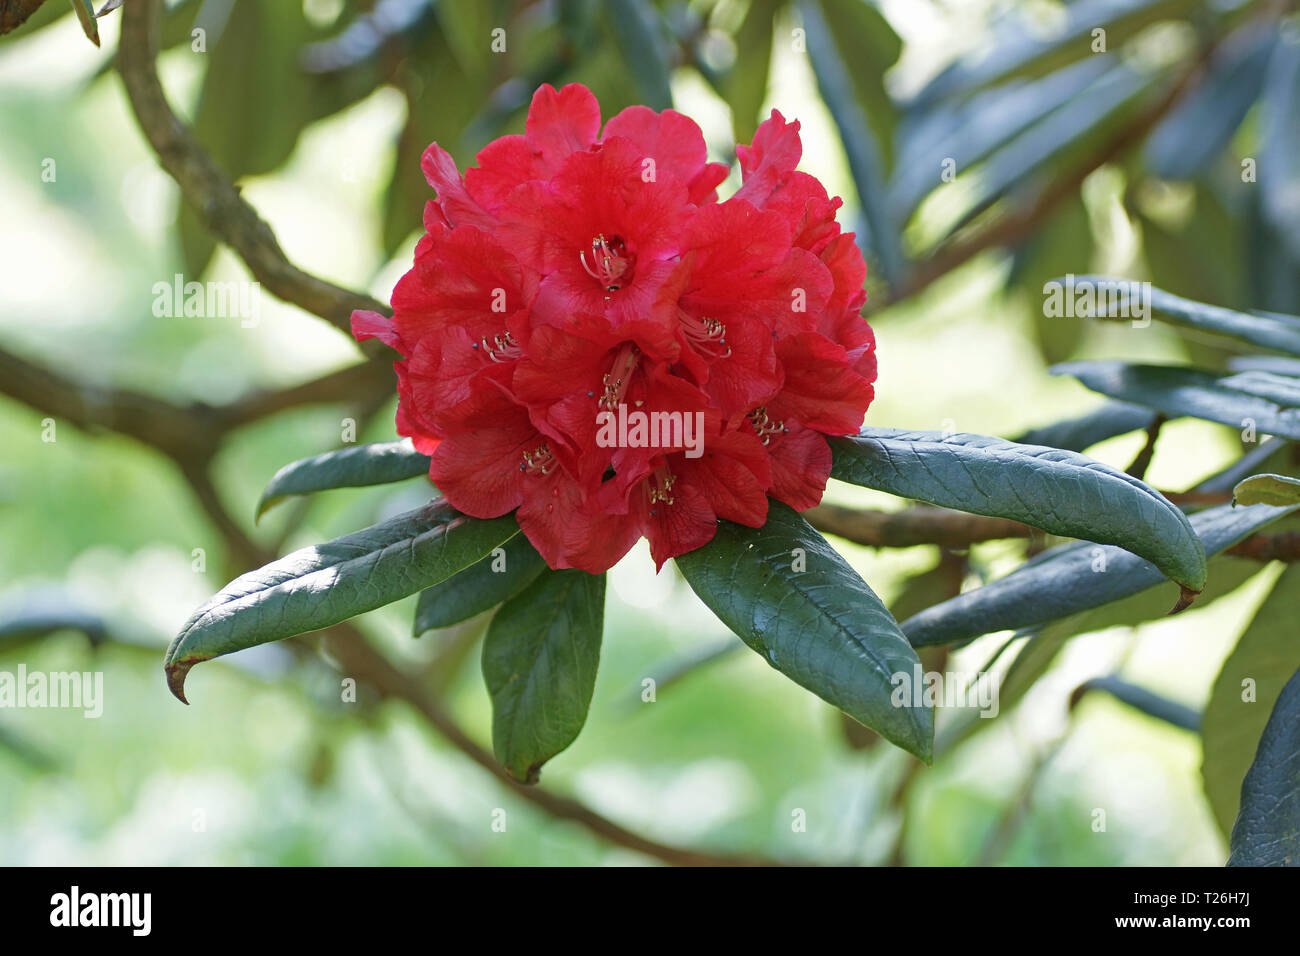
<point x="610" y="264"/>
<point x="661" y="488"/>
<point x="502" y="349"/>
<point x="705" y="333"/>
<point x="619" y="377"/>
<point x="538" y="462"/>
<point x="765" y="427"/>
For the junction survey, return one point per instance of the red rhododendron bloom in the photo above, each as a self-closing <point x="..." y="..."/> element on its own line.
<point x="591" y="338"/>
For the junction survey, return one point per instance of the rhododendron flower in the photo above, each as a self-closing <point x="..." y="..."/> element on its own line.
<point x="576" y="278"/>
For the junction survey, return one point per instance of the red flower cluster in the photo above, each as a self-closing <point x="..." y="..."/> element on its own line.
<point x="592" y="338"/>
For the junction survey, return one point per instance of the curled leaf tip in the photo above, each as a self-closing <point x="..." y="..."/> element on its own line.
<point x="1185" y="599"/>
<point x="176" y="678"/>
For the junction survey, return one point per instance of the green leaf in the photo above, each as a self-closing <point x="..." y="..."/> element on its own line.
<point x="1072" y="578"/>
<point x="970" y="131"/>
<point x="86" y="15"/>
<point x="328" y="583"/>
<point x="498" y="577"/>
<point x="1043" y="644"/>
<point x="1064" y="241"/>
<point x="1278" y="490"/>
<point x="1179" y="390"/>
<point x="1244" y="693"/>
<point x="1024" y="48"/>
<point x="1279" y="159"/>
<point x="1267" y="830"/>
<point x="1058" y="491"/>
<point x="820" y="625"/>
<point x="1187" y="254"/>
<point x="1144" y="701"/>
<point x="1278" y="332"/>
<point x="38" y="615"/>
<point x="1279" y="389"/>
<point x="860" y="145"/>
<point x="745" y="86"/>
<point x="869" y="47"/>
<point x="1079" y="434"/>
<point x="539" y="661"/>
<point x="636" y="28"/>
<point x="1198" y="129"/>
<point x="1098" y="108"/>
<point x="354" y="467"/>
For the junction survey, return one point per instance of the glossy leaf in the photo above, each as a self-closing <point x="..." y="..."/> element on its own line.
<point x="1069" y="579"/>
<point x="354" y="467"/>
<point x="796" y="602"/>
<point x="1178" y="390"/>
<point x="324" y="584"/>
<point x="1281" y="333"/>
<point x="860" y="146"/>
<point x="1080" y="434"/>
<point x="498" y="577"/>
<point x="1279" y="389"/>
<point x="539" y="661"/>
<point x="1267" y="830"/>
<point x="1058" y="491"/>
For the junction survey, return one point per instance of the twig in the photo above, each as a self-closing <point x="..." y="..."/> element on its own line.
<point x="913" y="526"/>
<point x="1142" y="462"/>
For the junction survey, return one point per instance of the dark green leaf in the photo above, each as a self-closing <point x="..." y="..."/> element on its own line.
<point x="328" y="583"/>
<point x="745" y="86"/>
<point x="1072" y="578"/>
<point x="1200" y="127"/>
<point x="1281" y="333"/>
<point x="1279" y="158"/>
<point x="498" y="577"/>
<point x="1059" y="246"/>
<point x="1267" y="831"/>
<point x="860" y="146"/>
<point x="1103" y="104"/>
<point x="638" y="33"/>
<point x="1244" y="693"/>
<point x="1023" y="48"/>
<point x="354" y="467"/>
<point x="820" y="625"/>
<point x="1279" y="389"/>
<point x="1058" y="491"/>
<point x="539" y="661"/>
<point x="969" y="132"/>
<point x="869" y="47"/>
<point x="1144" y="701"/>
<point x="1180" y="390"/>
<point x="1079" y="434"/>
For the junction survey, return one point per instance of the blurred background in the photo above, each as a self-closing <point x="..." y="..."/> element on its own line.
<point x="982" y="147"/>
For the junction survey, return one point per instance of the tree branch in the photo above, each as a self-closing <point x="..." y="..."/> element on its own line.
<point x="210" y="192"/>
